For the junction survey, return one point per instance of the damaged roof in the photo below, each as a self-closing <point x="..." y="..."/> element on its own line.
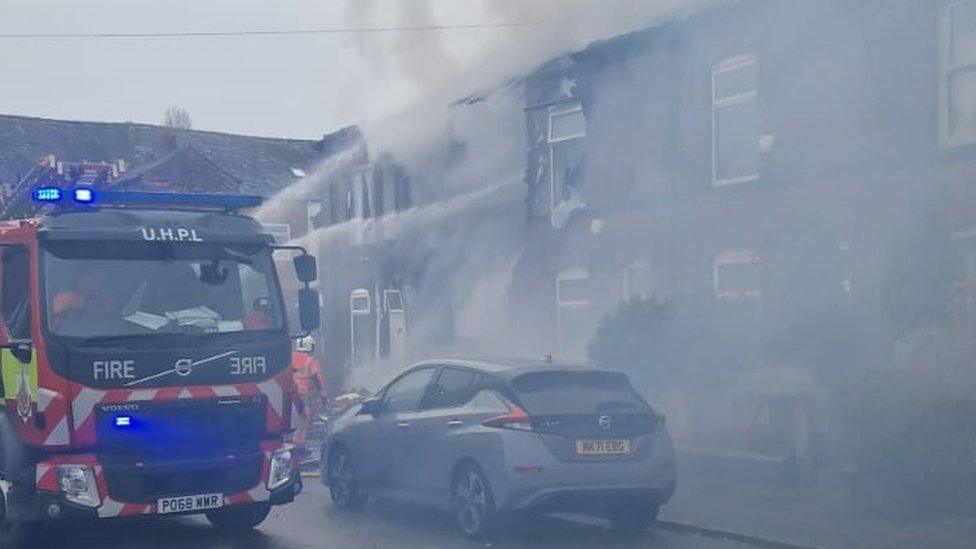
<point x="263" y="165"/>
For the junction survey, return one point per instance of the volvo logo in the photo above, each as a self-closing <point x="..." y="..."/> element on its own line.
<point x="184" y="367"/>
<point x="605" y="422"/>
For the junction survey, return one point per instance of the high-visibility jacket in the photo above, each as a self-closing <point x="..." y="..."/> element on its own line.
<point x="305" y="369"/>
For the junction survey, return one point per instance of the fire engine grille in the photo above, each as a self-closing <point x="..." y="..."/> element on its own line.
<point x="145" y="483"/>
<point x="184" y="429"/>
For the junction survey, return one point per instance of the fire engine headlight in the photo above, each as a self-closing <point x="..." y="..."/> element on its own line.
<point x="281" y="469"/>
<point x="78" y="485"/>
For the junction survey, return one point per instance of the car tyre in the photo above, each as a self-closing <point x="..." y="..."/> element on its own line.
<point x="239" y="517"/>
<point x="343" y="485"/>
<point x="632" y="521"/>
<point x="474" y="503"/>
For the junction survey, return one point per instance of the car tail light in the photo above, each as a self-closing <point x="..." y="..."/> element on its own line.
<point x="516" y="419"/>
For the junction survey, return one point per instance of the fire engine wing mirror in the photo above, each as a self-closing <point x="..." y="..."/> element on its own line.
<point x="21" y="349"/>
<point x="309" y="313"/>
<point x="305" y="267"/>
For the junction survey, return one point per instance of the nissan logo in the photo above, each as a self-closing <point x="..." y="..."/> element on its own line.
<point x="605" y="422"/>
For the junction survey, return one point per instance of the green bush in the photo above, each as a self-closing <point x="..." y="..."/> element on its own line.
<point x="921" y="270"/>
<point x="910" y="429"/>
<point x="663" y="343"/>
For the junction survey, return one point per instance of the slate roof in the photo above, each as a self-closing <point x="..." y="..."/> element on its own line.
<point x="262" y="164"/>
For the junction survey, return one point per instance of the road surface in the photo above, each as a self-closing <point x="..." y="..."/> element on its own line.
<point x="311" y="522"/>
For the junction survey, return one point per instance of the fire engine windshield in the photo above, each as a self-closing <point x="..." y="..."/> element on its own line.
<point x="131" y="289"/>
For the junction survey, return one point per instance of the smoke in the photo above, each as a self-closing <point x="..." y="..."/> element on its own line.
<point x="455" y="121"/>
<point x="441" y="67"/>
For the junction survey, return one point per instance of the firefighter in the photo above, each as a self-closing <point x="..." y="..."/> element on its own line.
<point x="87" y="295"/>
<point x="306" y="371"/>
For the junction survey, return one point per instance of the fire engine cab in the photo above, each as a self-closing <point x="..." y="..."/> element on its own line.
<point x="144" y="352"/>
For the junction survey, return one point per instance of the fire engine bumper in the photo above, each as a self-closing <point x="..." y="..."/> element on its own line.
<point x="84" y="486"/>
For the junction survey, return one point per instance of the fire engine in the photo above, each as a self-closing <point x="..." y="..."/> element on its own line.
<point x="144" y="350"/>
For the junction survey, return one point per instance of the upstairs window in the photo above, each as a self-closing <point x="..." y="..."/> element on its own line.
<point x="567" y="134"/>
<point x="957" y="84"/>
<point x="735" y="121"/>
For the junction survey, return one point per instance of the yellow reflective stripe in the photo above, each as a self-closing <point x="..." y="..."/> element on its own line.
<point x="14" y="371"/>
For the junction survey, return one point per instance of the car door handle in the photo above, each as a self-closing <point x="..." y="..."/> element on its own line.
<point x="403" y="426"/>
<point x="455" y="423"/>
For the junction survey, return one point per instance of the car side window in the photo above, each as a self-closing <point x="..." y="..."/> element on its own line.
<point x="488" y="401"/>
<point x="406" y="393"/>
<point x="453" y="387"/>
<point x="14" y="296"/>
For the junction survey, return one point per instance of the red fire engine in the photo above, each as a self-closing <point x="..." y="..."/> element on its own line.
<point x="144" y="351"/>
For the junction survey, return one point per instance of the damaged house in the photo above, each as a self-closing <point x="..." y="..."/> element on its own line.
<point x="756" y="158"/>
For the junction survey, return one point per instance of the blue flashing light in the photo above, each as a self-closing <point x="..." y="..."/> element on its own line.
<point x="123" y="421"/>
<point x="47" y="194"/>
<point x="84" y="195"/>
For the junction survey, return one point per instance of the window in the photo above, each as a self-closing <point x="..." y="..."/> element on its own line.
<point x="737" y="274"/>
<point x="637" y="280"/>
<point x="957" y="125"/>
<point x="394" y="301"/>
<point x="405" y="394"/>
<point x="488" y="401"/>
<point x="735" y="121"/>
<point x="453" y="387"/>
<point x="359" y="302"/>
<point x="15" y="294"/>
<point x="127" y="289"/>
<point x="560" y="392"/>
<point x="362" y="200"/>
<point x="567" y="133"/>
<point x="574" y="324"/>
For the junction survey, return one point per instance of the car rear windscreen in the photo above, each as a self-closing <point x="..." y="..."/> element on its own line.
<point x="576" y="392"/>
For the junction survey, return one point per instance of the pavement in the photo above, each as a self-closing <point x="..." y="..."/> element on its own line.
<point x="312" y="522"/>
<point x="818" y="513"/>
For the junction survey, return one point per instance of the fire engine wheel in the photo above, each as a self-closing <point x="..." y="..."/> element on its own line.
<point x="239" y="517"/>
<point x="343" y="486"/>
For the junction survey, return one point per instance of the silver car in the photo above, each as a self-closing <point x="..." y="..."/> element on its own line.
<point x="487" y="438"/>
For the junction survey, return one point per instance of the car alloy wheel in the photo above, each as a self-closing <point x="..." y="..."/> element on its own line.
<point x="474" y="506"/>
<point x="342" y="480"/>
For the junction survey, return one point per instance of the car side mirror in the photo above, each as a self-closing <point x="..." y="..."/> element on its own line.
<point x="305" y="267"/>
<point x="309" y="313"/>
<point x="372" y="406"/>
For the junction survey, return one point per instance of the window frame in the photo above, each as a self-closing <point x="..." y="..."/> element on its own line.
<point x="735" y="257"/>
<point x="551" y="143"/>
<point x="947" y="68"/>
<point x="731" y="64"/>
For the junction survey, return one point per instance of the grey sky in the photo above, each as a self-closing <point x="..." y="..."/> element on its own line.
<point x="295" y="86"/>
